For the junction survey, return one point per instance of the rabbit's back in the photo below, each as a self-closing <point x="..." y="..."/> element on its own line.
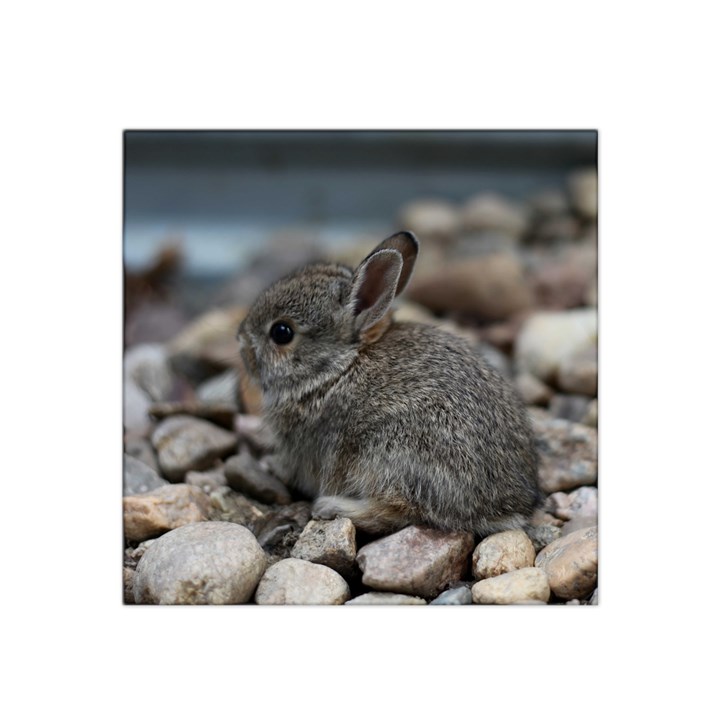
<point x="420" y="418"/>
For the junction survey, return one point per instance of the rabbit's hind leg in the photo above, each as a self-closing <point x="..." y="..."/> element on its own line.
<point x="368" y="514"/>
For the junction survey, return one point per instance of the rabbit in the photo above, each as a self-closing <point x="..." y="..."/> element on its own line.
<point x="388" y="424"/>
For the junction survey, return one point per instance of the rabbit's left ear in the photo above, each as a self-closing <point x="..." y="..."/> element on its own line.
<point x="374" y="286"/>
<point x="407" y="245"/>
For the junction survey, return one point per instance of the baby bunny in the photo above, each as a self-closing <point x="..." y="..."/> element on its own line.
<point x="388" y="424"/>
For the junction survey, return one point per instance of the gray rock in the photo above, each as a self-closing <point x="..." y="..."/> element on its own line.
<point x="380" y="598"/>
<point x="155" y="512"/>
<point x="148" y="368"/>
<point x="496" y="358"/>
<point x="416" y="561"/>
<point x="245" y="474"/>
<point x="252" y="430"/>
<point x="220" y="390"/>
<point x="299" y="582"/>
<point x="455" y="596"/>
<point x="140" y="448"/>
<point x="571" y="564"/>
<point x="230" y="506"/>
<point x="280" y="529"/>
<point x="591" y="416"/>
<point x="568" y="453"/>
<point x="543" y="535"/>
<point x="501" y="553"/>
<point x="526" y="585"/>
<point x="206" y="480"/>
<point x="136" y="409"/>
<point x="209" y="563"/>
<point x="549" y="203"/>
<point x="184" y="443"/>
<point x="569" y="407"/>
<point x="594" y="600"/>
<point x="547" y="338"/>
<point x="132" y="555"/>
<point x="138" y="477"/>
<point x="128" y="582"/>
<point x="582" y="502"/>
<point x="330" y="543"/>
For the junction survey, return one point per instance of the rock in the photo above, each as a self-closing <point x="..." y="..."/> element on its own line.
<point x="594" y="598"/>
<point x="582" y="502"/>
<point x="155" y="512"/>
<point x="415" y="561"/>
<point x="208" y="345"/>
<point x="555" y="230"/>
<point x="564" y="283"/>
<point x="138" y="477"/>
<point x="252" y="430"/>
<point x="526" y="585"/>
<point x="542" y="535"/>
<point x="209" y="563"/>
<point x="207" y="480"/>
<point x="221" y="415"/>
<point x="184" y="443"/>
<point x="455" y="596"/>
<point x="591" y="415"/>
<point x="330" y="543"/>
<point x="490" y="212"/>
<point x="132" y="555"/>
<point x="148" y="368"/>
<point x="483" y="243"/>
<point x="491" y="287"/>
<point x="230" y="506"/>
<point x="571" y="564"/>
<point x="578" y="523"/>
<point x="380" y="598"/>
<point x="495" y="358"/>
<point x="578" y="373"/>
<point x="532" y="390"/>
<point x="153" y="322"/>
<point x="245" y="474"/>
<point x="136" y="409"/>
<point x="128" y="580"/>
<point x="220" y="390"/>
<point x="547" y="338"/>
<point x="299" y="582"/>
<point x="567" y="453"/>
<point x="433" y="220"/>
<point x="569" y="407"/>
<point x="583" y="186"/>
<point x="140" y="448"/>
<point x="501" y="553"/>
<point x="280" y="528"/>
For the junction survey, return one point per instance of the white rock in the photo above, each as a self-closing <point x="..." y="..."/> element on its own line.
<point x="299" y="582"/>
<point x="526" y="585"/>
<point x="501" y="553"/>
<point x="381" y="598"/>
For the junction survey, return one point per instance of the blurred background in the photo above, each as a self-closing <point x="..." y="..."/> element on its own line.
<point x="507" y="222"/>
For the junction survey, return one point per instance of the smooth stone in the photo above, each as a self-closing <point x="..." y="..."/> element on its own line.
<point x="147" y="366"/>
<point x="526" y="585"/>
<point x="578" y="373"/>
<point x="454" y="596"/>
<point x="543" y="534"/>
<point x="220" y="390"/>
<point x="185" y="443"/>
<point x="136" y="409"/>
<point x="206" y="480"/>
<point x="501" y="553"/>
<point x="252" y="430"/>
<point x="155" y="512"/>
<point x="568" y="453"/>
<point x="299" y="582"/>
<point x="246" y="475"/>
<point x="432" y="219"/>
<point x="141" y="449"/>
<point x="328" y="542"/>
<point x="547" y="338"/>
<point x="222" y="415"/>
<point x="490" y="287"/>
<point x="571" y="564"/>
<point x="381" y="598"/>
<point x="531" y="390"/>
<point x="138" y="477"/>
<point x="230" y="506"/>
<point x="416" y="561"/>
<point x="208" y="563"/>
<point x="490" y="212"/>
<point x="569" y="407"/>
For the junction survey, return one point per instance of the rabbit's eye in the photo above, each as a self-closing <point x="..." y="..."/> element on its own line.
<point x="281" y="333"/>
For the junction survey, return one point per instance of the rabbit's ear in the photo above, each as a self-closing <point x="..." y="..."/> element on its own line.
<point x="407" y="245"/>
<point x="374" y="286"/>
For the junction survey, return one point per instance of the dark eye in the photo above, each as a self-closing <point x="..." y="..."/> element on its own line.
<point x="281" y="333"/>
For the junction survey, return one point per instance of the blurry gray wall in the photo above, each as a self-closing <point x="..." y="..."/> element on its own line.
<point x="224" y="194"/>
